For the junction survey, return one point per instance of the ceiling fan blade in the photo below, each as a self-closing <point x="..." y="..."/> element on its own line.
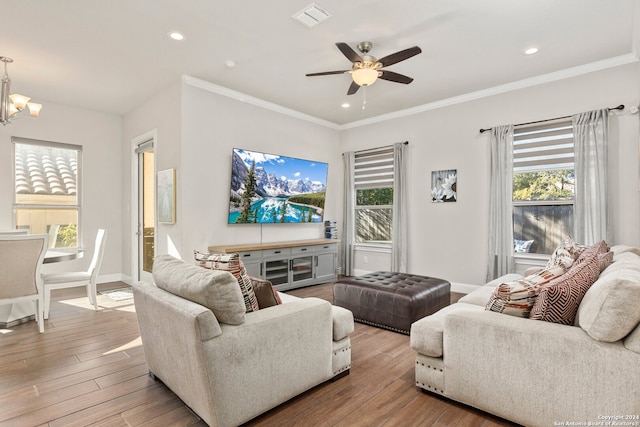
<point x="394" y="58"/>
<point x="327" y="73"/>
<point x="353" y="88"/>
<point x="348" y="52"/>
<point x="395" y="77"/>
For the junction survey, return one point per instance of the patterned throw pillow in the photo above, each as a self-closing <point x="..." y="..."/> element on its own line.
<point x="605" y="260"/>
<point x="234" y="265"/>
<point x="516" y="298"/>
<point x="558" y="301"/>
<point x="566" y="253"/>
<point x="521" y="246"/>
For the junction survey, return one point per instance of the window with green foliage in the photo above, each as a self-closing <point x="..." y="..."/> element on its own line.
<point x="46" y="184"/>
<point x="374" y="172"/>
<point x="543" y="186"/>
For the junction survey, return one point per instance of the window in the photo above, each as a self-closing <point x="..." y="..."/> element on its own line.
<point x="374" y="170"/>
<point x="543" y="186"/>
<point x="46" y="183"/>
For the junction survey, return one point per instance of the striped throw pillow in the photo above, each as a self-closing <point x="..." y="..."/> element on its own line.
<point x="234" y="265"/>
<point x="516" y="298"/>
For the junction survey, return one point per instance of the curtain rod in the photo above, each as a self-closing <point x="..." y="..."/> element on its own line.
<point x="619" y="107"/>
<point x="379" y="148"/>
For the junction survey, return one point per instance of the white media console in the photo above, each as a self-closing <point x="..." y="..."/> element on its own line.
<point x="288" y="265"/>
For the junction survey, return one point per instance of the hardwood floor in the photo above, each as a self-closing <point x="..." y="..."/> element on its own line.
<point x="88" y="368"/>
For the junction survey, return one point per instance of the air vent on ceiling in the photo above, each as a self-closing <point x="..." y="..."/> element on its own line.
<point x="312" y="15"/>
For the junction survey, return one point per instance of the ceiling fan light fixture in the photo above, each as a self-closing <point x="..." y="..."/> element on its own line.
<point x="364" y="76"/>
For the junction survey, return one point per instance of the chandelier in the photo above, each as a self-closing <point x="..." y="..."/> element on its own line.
<point x="12" y="104"/>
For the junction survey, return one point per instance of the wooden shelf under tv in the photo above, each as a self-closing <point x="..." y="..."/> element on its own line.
<point x="232" y="248"/>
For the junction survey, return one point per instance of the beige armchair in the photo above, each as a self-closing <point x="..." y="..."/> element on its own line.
<point x="229" y="366"/>
<point x="21" y="258"/>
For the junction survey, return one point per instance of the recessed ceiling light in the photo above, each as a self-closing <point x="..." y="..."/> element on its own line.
<point x="176" y="35"/>
<point x="230" y="63"/>
<point x="345" y="105"/>
<point x="531" y="51"/>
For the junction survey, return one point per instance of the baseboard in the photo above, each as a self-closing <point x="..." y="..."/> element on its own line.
<point x="116" y="277"/>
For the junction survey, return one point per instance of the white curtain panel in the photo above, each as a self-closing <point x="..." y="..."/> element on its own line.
<point x="500" y="250"/>
<point x="348" y="226"/>
<point x="591" y="216"/>
<point x="399" y="226"/>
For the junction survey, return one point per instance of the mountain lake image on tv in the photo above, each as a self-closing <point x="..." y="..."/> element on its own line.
<point x="270" y="189"/>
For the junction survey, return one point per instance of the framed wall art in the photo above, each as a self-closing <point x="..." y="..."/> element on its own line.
<point x="444" y="186"/>
<point x="166" y="193"/>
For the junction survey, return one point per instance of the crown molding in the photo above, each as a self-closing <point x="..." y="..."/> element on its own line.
<point x="496" y="90"/>
<point x="243" y="97"/>
<point x="617" y="61"/>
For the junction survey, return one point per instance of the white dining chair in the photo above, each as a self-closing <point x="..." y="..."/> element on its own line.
<point x="74" y="279"/>
<point x="20" y="262"/>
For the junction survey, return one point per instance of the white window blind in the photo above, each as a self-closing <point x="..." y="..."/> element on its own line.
<point x="374" y="168"/>
<point x="540" y="147"/>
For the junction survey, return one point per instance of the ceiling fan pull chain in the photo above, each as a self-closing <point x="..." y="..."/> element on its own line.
<point x="364" y="97"/>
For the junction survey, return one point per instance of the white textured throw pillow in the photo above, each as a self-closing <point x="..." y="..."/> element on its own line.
<point x="610" y="310"/>
<point x="217" y="290"/>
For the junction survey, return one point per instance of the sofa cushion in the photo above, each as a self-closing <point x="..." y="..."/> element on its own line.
<point x="516" y="298"/>
<point x="234" y="265"/>
<point x="610" y="310"/>
<point x="481" y="295"/>
<point x="559" y="300"/>
<point x="620" y="249"/>
<point x="216" y="290"/>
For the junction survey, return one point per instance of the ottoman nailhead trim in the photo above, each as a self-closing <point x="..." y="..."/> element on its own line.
<point x="368" y="322"/>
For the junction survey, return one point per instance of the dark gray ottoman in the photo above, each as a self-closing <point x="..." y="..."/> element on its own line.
<point x="391" y="300"/>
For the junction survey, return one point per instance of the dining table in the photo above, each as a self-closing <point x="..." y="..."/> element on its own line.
<point x="56" y="255"/>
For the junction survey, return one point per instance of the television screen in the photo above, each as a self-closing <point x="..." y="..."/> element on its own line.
<point x="267" y="188"/>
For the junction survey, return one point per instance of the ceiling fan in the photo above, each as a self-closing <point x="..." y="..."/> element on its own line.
<point x="366" y="69"/>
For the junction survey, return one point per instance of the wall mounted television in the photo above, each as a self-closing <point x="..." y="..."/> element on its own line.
<point x="272" y="189"/>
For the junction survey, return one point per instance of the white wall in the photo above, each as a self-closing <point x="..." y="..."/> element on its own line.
<point x="212" y="126"/>
<point x="449" y="240"/>
<point x="99" y="135"/>
<point x="162" y="114"/>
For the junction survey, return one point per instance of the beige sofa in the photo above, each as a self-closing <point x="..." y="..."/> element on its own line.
<point x="229" y="366"/>
<point x="538" y="373"/>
